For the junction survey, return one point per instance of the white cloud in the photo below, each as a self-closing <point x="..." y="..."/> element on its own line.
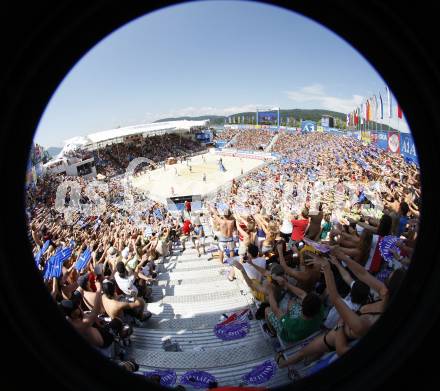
<point x="202" y="110"/>
<point x="315" y="94"/>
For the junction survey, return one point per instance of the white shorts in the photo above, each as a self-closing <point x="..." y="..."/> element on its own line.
<point x="223" y="245"/>
<point x="199" y="241"/>
<point x="242" y="249"/>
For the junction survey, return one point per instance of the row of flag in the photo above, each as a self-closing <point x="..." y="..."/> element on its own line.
<point x="241" y="119"/>
<point x="250" y="119"/>
<point x="375" y="108"/>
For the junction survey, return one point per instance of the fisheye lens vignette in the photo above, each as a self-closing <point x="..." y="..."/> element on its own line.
<point x="260" y="234"/>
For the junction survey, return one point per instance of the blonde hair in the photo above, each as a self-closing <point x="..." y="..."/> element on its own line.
<point x="273" y="230"/>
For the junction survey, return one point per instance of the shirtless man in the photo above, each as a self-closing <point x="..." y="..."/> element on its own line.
<point x="227" y="227"/>
<point x="113" y="305"/>
<point x="84" y="323"/>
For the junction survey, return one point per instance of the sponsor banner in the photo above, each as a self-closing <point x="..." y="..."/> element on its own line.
<point x="220" y="143"/>
<point x="308" y="126"/>
<point x="273" y="128"/>
<point x="382" y="140"/>
<point x="373" y="136"/>
<point x="366" y="137"/>
<point x="257" y="126"/>
<point x="408" y="148"/>
<point x="283" y="128"/>
<point x="393" y="142"/>
<point x="319" y="128"/>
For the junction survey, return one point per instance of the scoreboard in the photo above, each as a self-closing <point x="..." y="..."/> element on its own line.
<point x="267" y="117"/>
<point x="204" y="137"/>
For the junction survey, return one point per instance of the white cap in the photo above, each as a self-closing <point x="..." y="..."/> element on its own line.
<point x="125" y="252"/>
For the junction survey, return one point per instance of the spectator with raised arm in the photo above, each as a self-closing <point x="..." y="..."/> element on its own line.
<point x="354" y="324"/>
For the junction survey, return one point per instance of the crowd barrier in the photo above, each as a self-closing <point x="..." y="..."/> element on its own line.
<point x="246" y="154"/>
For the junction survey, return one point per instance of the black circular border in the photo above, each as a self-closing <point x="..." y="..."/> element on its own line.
<point x="52" y="37"/>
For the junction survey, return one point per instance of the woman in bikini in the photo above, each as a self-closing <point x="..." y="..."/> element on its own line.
<point x="353" y="325"/>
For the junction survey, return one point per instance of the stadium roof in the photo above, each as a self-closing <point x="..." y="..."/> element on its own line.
<point x="107" y="135"/>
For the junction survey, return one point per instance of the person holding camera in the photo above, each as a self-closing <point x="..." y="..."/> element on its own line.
<point x="252" y="269"/>
<point x="302" y="318"/>
<point x="353" y="325"/>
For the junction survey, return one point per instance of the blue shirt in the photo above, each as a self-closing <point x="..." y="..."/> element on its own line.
<point x="403" y="221"/>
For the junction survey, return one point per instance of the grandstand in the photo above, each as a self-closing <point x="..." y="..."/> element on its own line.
<point x="309" y="193"/>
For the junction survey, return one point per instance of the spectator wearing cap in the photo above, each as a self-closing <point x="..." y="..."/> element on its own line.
<point x="126" y="280"/>
<point x="226" y="225"/>
<point x="116" y="306"/>
<point x="198" y="236"/>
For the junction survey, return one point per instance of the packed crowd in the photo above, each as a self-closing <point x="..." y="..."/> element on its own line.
<point x="323" y="238"/>
<point x="253" y="139"/>
<point x="226" y="135"/>
<point x="114" y="159"/>
<point x="305" y="233"/>
<point x="100" y="268"/>
<point x="285" y="143"/>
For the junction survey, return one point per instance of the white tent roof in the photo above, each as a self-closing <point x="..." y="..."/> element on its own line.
<point x="132" y="130"/>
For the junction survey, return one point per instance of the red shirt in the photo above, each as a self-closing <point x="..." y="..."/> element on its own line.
<point x="299" y="229"/>
<point x="186" y="229"/>
<point x="243" y="227"/>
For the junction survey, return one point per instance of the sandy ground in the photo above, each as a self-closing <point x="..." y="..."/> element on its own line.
<point x="178" y="180"/>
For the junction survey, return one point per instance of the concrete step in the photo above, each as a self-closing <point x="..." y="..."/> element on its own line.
<point x="187" y="308"/>
<point x="174" y="276"/>
<point x="189" y="297"/>
<point x="188" y="266"/>
<point x="191" y="280"/>
<point x="196" y="322"/>
<point x="228" y="356"/>
<point x="218" y="284"/>
<point x="189" y="339"/>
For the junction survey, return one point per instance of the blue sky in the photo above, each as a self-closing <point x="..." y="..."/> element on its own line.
<point x="210" y="57"/>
